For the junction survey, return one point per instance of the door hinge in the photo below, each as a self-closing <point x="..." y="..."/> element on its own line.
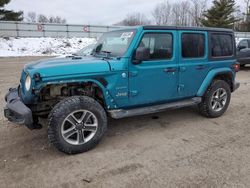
<point x="180" y="87"/>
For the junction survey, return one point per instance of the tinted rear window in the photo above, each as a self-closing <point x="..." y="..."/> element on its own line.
<point x="193" y="45"/>
<point x="221" y="45"/>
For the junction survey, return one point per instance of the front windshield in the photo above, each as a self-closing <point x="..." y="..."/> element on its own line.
<point x="114" y="43"/>
<point x="86" y="50"/>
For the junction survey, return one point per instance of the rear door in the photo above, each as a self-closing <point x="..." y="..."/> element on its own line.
<point x="193" y="61"/>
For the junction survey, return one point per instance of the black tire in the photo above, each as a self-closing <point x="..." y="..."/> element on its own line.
<point x="62" y="111"/>
<point x="242" y="65"/>
<point x="205" y="107"/>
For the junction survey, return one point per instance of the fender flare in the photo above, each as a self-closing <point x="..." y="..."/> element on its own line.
<point x="209" y="78"/>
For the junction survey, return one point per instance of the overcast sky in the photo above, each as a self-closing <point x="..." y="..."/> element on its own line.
<point x="103" y="12"/>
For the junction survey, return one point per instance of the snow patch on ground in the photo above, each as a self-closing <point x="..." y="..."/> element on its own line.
<point x="42" y="46"/>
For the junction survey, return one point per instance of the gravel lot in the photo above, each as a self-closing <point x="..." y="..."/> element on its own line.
<point x="179" y="149"/>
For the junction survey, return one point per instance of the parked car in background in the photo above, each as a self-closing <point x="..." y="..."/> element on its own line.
<point x="243" y="51"/>
<point x="134" y="71"/>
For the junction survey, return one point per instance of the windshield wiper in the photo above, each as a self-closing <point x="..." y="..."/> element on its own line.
<point x="107" y="53"/>
<point x="74" y="56"/>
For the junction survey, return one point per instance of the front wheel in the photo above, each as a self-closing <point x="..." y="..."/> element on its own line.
<point x="216" y="99"/>
<point x="76" y="124"/>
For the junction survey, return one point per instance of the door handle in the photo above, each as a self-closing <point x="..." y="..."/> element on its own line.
<point x="171" y="69"/>
<point x="200" y="67"/>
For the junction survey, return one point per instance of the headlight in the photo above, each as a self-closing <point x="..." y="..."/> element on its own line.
<point x="27" y="83"/>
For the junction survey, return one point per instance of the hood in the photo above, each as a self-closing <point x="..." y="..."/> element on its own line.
<point x="67" y="66"/>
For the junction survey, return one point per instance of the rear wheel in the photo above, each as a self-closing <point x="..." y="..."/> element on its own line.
<point x="216" y="99"/>
<point x="77" y="124"/>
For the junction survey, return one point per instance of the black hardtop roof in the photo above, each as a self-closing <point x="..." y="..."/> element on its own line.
<point x="163" y="27"/>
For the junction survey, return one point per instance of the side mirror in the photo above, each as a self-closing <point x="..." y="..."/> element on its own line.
<point x="141" y="54"/>
<point x="97" y="48"/>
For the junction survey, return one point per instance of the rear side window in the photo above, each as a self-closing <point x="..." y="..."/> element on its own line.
<point x="221" y="45"/>
<point x="243" y="44"/>
<point x="159" y="44"/>
<point x="193" y="45"/>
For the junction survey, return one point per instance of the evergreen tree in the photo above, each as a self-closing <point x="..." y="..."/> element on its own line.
<point x="9" y="15"/>
<point x="221" y="14"/>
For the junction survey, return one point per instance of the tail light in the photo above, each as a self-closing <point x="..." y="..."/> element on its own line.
<point x="236" y="67"/>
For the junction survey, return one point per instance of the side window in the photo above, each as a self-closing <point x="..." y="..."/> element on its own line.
<point x="193" y="45"/>
<point x="221" y="45"/>
<point x="159" y="44"/>
<point x="243" y="44"/>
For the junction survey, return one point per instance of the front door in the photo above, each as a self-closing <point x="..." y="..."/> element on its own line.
<point x="155" y="80"/>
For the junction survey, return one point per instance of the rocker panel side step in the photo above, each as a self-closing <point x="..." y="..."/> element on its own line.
<point x="122" y="113"/>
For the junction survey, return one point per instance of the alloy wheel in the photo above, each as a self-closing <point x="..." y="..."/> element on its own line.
<point x="219" y="99"/>
<point x="79" y="127"/>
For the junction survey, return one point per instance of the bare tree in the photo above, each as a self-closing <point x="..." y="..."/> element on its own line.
<point x="189" y="14"/>
<point x="162" y="13"/>
<point x="57" y="19"/>
<point x="197" y="10"/>
<point x="184" y="8"/>
<point x="242" y="23"/>
<point x="167" y="14"/>
<point x="31" y="17"/>
<point x="176" y="14"/>
<point x="52" y="19"/>
<point x="133" y="19"/>
<point x="246" y="13"/>
<point x="184" y="12"/>
<point x="64" y="21"/>
<point x="42" y="19"/>
<point x="247" y="2"/>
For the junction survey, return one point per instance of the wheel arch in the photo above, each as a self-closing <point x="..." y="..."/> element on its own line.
<point x="225" y="74"/>
<point x="97" y="83"/>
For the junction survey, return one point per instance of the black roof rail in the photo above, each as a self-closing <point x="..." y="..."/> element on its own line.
<point x="163" y="27"/>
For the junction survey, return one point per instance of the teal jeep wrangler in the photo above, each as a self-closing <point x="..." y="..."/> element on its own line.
<point x="134" y="71"/>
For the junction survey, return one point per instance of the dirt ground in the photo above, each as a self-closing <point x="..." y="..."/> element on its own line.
<point x="179" y="149"/>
